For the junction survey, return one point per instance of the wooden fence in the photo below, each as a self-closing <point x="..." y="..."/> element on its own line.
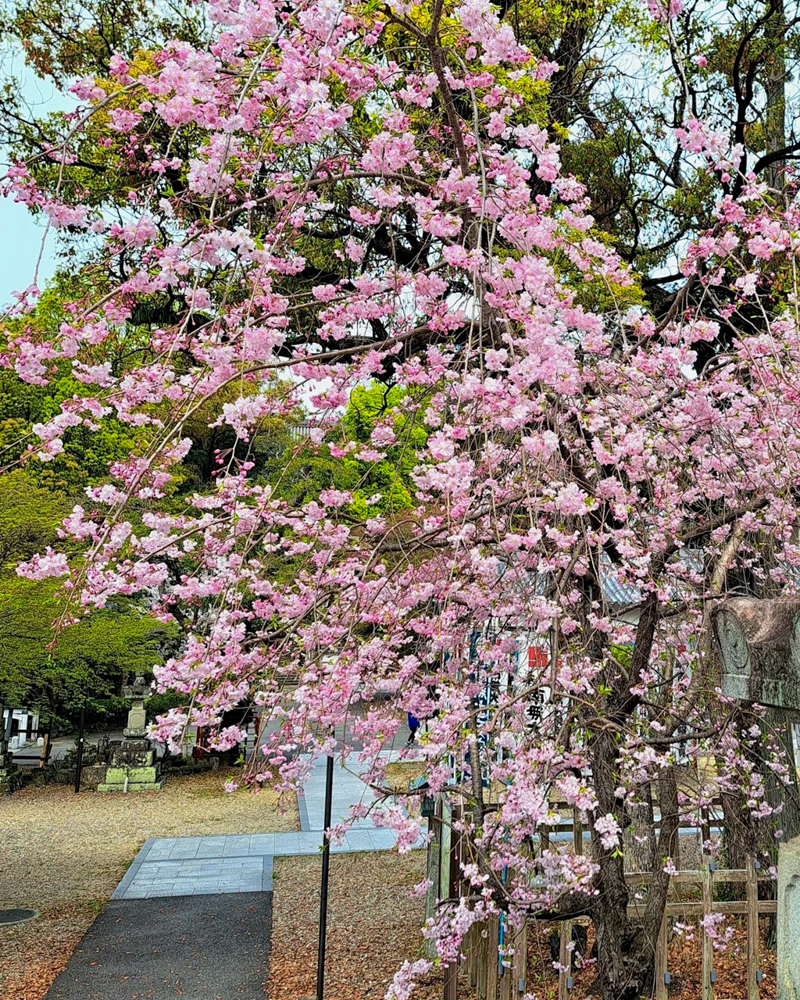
<point x="493" y="980"/>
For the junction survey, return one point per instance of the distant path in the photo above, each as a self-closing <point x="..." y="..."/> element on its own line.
<point x="195" y="866"/>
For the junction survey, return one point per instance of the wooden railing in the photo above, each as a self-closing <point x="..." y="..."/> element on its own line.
<point x="493" y="979"/>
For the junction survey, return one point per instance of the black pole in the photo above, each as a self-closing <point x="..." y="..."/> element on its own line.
<point x="79" y="762"/>
<point x="323" y="896"/>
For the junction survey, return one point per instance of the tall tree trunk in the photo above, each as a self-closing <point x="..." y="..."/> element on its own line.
<point x="775" y="89"/>
<point x="613" y="931"/>
<point x="639" y="842"/>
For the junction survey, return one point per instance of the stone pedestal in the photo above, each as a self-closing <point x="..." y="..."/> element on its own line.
<point x="133" y="768"/>
<point x="789" y="920"/>
<point x="7" y="775"/>
<point x="8" y="769"/>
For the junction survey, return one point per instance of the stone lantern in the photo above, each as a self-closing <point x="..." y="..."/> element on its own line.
<point x="137" y="719"/>
<point x="133" y="766"/>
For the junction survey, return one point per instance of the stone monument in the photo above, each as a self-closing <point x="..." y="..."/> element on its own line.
<point x="760" y="645"/>
<point x="133" y="766"/>
<point x="788" y="973"/>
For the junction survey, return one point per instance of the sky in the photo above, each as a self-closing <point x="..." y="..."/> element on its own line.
<point x="20" y="233"/>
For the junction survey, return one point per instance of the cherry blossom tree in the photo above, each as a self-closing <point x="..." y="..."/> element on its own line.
<point x="337" y="195"/>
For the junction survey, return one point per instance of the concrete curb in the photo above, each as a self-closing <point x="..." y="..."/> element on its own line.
<point x="130" y="874"/>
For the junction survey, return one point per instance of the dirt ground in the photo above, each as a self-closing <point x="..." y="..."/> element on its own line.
<point x="684" y="964"/>
<point x="373" y="926"/>
<point x="63" y="855"/>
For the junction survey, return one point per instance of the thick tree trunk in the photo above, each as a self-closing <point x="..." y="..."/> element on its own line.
<point x="775" y="89"/>
<point x="639" y="841"/>
<point x="617" y="977"/>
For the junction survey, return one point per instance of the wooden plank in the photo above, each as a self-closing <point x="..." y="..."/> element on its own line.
<point x="519" y="968"/>
<point x="483" y="958"/>
<point x="561" y="805"/>
<point x="471" y="944"/>
<point x="661" y="992"/>
<point x="752" y="931"/>
<point x="451" y="981"/>
<point x="708" y="950"/>
<point x="566" y="826"/>
<point x="564" y="958"/>
<point x="696" y="875"/>
<point x="492" y="970"/>
<point x="695" y="907"/>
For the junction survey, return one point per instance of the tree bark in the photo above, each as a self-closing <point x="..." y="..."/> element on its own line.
<point x="775" y="89"/>
<point x="613" y="931"/>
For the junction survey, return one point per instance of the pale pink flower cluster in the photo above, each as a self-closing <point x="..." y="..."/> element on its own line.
<point x="560" y="453"/>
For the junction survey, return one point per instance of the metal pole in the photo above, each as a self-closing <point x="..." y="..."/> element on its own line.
<point x="79" y="762"/>
<point x="323" y="897"/>
<point x="3" y="738"/>
<point x="45" y="754"/>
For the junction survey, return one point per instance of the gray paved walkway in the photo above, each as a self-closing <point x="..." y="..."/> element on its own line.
<point x="198" y="866"/>
<point x="199" y="948"/>
<point x="191" y="919"/>
<point x="348" y="789"/>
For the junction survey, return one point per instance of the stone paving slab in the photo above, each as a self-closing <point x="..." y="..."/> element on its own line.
<point x="196" y="876"/>
<point x="242" y="863"/>
<point x="179" y="866"/>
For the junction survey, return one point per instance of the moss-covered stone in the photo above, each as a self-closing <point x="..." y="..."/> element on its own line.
<point x="133" y="786"/>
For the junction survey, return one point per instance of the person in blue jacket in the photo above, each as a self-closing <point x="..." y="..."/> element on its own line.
<point x="413" y="726"/>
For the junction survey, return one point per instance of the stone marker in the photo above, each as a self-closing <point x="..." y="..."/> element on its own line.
<point x="789" y="920"/>
<point x="760" y="645"/>
<point x="133" y="767"/>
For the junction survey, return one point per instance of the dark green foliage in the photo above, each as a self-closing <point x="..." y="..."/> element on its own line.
<point x="88" y="659"/>
<point x="160" y="704"/>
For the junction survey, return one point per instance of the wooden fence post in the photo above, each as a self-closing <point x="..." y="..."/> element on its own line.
<point x="661" y="992"/>
<point x="507" y="977"/>
<point x="708" y="950"/>
<point x="752" y="930"/>
<point x="492" y="970"/>
<point x="577" y="832"/>
<point x="564" y="958"/>
<point x="705" y="828"/>
<point x="449" y="875"/>
<point x="451" y="981"/>
<point x="519" y="966"/>
<point x="484" y="958"/>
